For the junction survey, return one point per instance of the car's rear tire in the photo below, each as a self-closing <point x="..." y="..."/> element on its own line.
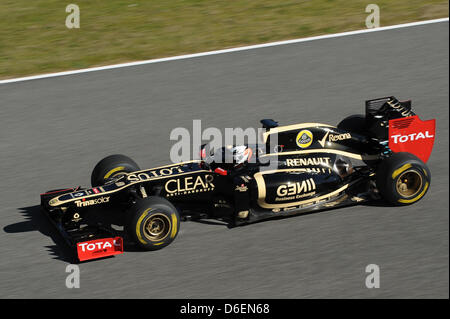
<point x="403" y="179"/>
<point x="112" y="166"/>
<point x="153" y="223"/>
<point x="353" y="123"/>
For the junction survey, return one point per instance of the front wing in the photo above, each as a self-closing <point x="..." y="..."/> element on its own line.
<point x="86" y="242"/>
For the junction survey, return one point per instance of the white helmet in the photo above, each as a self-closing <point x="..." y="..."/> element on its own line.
<point x="241" y="154"/>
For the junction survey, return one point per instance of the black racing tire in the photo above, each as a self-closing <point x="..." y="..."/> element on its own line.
<point x="402" y="179"/>
<point x="112" y="166"/>
<point x="354" y="123"/>
<point x="153" y="223"/>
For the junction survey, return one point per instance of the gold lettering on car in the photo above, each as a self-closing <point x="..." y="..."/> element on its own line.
<point x="148" y="175"/>
<point x="400" y="108"/>
<point x="339" y="137"/>
<point x="310" y="161"/>
<point x="296" y="190"/>
<point x="334" y="137"/>
<point x="189" y="185"/>
<point x="241" y="188"/>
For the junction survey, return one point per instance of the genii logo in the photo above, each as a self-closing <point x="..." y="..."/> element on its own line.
<point x="412" y="135"/>
<point x="304" y="138"/>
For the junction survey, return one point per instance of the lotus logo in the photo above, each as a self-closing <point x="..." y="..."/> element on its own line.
<point x="304" y="138"/>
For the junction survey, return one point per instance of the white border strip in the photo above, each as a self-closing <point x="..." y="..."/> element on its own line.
<point x="244" y="48"/>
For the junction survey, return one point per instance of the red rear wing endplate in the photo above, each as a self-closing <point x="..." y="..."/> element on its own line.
<point x="412" y="135"/>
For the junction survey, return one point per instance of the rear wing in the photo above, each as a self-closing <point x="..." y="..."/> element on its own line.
<point x="380" y="111"/>
<point x="389" y="119"/>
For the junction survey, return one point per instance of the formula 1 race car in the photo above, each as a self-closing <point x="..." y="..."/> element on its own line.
<point x="297" y="168"/>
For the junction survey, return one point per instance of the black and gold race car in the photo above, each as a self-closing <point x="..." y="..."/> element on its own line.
<point x="296" y="168"/>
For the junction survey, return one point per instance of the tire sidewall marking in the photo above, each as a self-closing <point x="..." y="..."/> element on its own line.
<point x="138" y="226"/>
<point x="174" y="226"/>
<point x="114" y="170"/>
<point x="419" y="196"/>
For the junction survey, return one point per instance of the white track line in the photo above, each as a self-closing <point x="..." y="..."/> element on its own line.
<point x="195" y="55"/>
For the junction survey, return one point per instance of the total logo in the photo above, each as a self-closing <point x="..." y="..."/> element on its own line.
<point x="101" y="245"/>
<point x="84" y="203"/>
<point x="411" y="137"/>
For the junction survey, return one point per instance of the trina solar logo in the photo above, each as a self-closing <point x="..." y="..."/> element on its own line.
<point x="84" y="203"/>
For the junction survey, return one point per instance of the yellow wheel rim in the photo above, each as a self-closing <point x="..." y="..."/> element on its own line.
<point x="157" y="227"/>
<point x="409" y="183"/>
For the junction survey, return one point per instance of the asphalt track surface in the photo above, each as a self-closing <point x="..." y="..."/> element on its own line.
<point x="53" y="131"/>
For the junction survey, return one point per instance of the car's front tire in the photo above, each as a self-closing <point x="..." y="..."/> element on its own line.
<point x="112" y="166"/>
<point x="153" y="223"/>
<point x="403" y="179"/>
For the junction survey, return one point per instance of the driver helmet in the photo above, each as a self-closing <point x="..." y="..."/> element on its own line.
<point x="241" y="155"/>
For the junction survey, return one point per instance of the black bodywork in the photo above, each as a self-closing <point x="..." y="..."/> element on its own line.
<point x="309" y="167"/>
